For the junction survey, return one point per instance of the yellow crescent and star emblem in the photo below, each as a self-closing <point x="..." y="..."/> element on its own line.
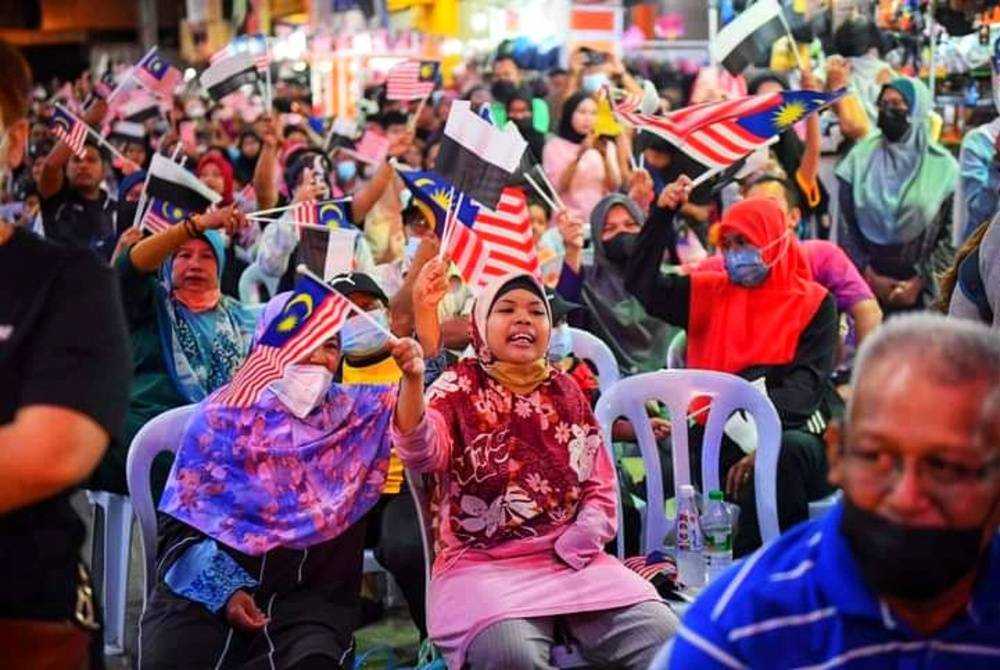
<point x="426" y="70"/>
<point x="789" y="114"/>
<point x="335" y="214"/>
<point x="289" y="319"/>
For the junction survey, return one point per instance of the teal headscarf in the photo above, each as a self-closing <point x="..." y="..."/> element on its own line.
<point x="202" y="350"/>
<point x="898" y="187"/>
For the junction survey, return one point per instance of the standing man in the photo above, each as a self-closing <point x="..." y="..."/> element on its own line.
<point x="64" y="378"/>
<point x="905" y="571"/>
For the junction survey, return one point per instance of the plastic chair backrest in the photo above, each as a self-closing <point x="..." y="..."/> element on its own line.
<point x="590" y="348"/>
<point x="422" y="501"/>
<point x="676" y="389"/>
<point x="162" y="433"/>
<point x="677" y="352"/>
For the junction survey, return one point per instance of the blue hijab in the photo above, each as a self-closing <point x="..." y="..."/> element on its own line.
<point x="202" y="350"/>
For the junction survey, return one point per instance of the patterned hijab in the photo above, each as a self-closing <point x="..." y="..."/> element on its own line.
<point x="201" y="350"/>
<point x="257" y="478"/>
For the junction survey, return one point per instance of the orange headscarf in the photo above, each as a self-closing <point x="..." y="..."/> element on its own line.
<point x="732" y="327"/>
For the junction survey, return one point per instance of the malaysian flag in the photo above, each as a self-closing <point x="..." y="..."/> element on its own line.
<point x="312" y="315"/>
<point x="156" y="74"/>
<point x="69" y="129"/>
<point x="717" y="134"/>
<point x="161" y="215"/>
<point x="483" y="243"/>
<point x="328" y="213"/>
<point x="411" y="80"/>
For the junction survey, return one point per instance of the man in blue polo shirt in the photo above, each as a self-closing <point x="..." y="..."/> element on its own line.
<point x="905" y="571"/>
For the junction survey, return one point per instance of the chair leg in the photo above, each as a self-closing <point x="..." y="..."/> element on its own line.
<point x="117" y="548"/>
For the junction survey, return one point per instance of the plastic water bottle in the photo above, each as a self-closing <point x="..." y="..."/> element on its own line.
<point x="690" y="562"/>
<point x="717" y="530"/>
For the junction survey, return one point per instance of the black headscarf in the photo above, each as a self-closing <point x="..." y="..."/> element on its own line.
<point x="244" y="166"/>
<point x="535" y="140"/>
<point x="566" y="122"/>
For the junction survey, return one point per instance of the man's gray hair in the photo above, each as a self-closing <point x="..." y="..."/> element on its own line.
<point x="951" y="351"/>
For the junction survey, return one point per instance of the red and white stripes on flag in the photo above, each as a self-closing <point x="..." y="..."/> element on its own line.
<point x="499" y="242"/>
<point x="305" y="212"/>
<point x="267" y="364"/>
<point x="708" y="132"/>
<point x="72" y="132"/>
<point x="409" y="81"/>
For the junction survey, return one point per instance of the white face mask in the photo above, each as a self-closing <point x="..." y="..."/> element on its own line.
<point x="302" y="387"/>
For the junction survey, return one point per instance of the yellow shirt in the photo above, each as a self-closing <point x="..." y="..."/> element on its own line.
<point x="383" y="372"/>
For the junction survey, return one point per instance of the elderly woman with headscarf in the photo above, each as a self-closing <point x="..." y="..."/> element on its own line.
<point x="187" y="337"/>
<point x="895" y="192"/>
<point x="764" y="319"/>
<point x="523" y="490"/>
<point x="638" y="340"/>
<point x="581" y="165"/>
<point x="262" y="539"/>
<point x="216" y="172"/>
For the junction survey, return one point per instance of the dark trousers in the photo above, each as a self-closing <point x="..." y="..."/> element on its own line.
<point x="394" y="534"/>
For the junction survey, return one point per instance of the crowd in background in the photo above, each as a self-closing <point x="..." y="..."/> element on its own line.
<point x="778" y="273"/>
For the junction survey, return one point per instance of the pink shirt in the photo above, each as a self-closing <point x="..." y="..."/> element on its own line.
<point x="588" y="185"/>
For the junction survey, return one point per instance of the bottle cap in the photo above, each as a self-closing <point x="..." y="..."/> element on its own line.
<point x="715" y="494"/>
<point x="687" y="490"/>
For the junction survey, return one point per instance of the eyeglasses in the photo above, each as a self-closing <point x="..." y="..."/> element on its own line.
<point x="884" y="468"/>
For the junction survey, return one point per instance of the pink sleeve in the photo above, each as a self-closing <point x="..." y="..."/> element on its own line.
<point x="554" y="160"/>
<point x="833" y="269"/>
<point x="427" y="447"/>
<point x="596" y="518"/>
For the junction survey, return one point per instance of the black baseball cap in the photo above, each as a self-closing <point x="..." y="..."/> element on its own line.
<point x="357" y="282"/>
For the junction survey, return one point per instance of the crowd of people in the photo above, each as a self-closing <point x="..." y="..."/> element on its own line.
<point x="818" y="285"/>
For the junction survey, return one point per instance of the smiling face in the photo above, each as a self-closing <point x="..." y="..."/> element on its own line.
<point x="518" y="327"/>
<point x="194" y="267"/>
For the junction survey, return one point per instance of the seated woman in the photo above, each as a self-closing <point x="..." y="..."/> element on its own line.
<point x="895" y="190"/>
<point x="525" y="500"/>
<point x="261" y="545"/>
<point x="187" y="338"/>
<point x="638" y="339"/>
<point x="763" y="319"/>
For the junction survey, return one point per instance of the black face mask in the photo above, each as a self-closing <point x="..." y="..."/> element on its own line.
<point x="893" y="123"/>
<point x="523" y="125"/>
<point x="909" y="562"/>
<point x="621" y="247"/>
<point x="502" y="90"/>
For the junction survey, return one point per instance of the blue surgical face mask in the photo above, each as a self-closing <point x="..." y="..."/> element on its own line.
<point x="745" y="266"/>
<point x="560" y="343"/>
<point x="360" y="337"/>
<point x="346" y="171"/>
<point x="594" y="82"/>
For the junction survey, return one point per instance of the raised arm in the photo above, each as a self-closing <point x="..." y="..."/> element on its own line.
<point x="148" y="255"/>
<point x="265" y="175"/>
<point x="51" y="180"/>
<point x="385" y="177"/>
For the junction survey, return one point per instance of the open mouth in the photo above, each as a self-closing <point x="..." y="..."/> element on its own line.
<point x="521" y="340"/>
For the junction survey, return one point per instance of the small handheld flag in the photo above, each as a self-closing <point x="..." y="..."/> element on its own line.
<point x="70" y="130"/>
<point x="161" y="215"/>
<point x="411" y="80"/>
<point x="312" y="315"/>
<point x="157" y="75"/>
<point x="229" y="73"/>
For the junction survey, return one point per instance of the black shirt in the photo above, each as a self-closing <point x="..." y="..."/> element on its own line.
<point x="71" y="220"/>
<point x="799" y="388"/>
<point x="63" y="342"/>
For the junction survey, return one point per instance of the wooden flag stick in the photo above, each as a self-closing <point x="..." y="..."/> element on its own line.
<point x="412" y="125"/>
<point x="548" y="182"/>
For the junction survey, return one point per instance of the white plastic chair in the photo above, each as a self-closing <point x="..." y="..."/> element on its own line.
<point x="112" y="543"/>
<point x="162" y="433"/>
<point x="676" y="389"/>
<point x="590" y="348"/>
<point x="563" y="656"/>
<point x="677" y="352"/>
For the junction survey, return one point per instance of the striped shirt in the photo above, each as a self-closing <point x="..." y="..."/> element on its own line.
<point x="801" y="603"/>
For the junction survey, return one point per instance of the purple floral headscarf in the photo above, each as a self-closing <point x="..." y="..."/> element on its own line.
<point x="258" y="478"/>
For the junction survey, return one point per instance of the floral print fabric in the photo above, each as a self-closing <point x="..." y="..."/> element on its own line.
<point x="523" y="460"/>
<point x="257" y="478"/>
